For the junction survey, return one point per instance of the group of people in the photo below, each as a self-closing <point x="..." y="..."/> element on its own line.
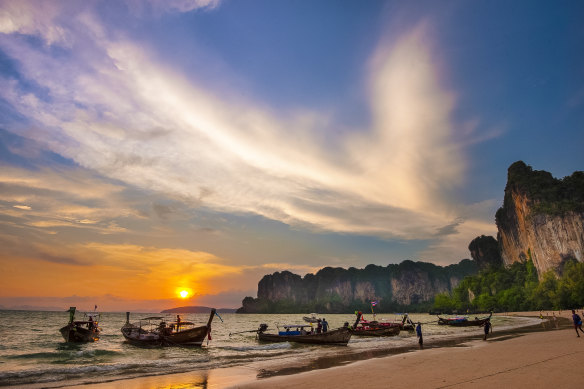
<point x="321" y="326"/>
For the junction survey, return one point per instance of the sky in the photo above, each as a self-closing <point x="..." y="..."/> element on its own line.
<point x="149" y="147"/>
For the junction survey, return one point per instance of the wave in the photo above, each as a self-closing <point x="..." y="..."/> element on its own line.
<point x="274" y="346"/>
<point x="65" y="354"/>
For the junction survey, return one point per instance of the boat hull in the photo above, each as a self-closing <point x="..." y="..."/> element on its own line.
<point x="191" y="337"/>
<point x="463" y="323"/>
<point x="340" y="336"/>
<point x="140" y="337"/>
<point x="76" y="334"/>
<point x="376" y="331"/>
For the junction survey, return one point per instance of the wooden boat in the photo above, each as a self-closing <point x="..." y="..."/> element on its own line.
<point x="313" y="318"/>
<point x="298" y="333"/>
<point x="363" y="327"/>
<point x="391" y="327"/>
<point x="147" y="332"/>
<point x="143" y="333"/>
<point x="463" y="321"/>
<point x="81" y="331"/>
<point x="365" y="330"/>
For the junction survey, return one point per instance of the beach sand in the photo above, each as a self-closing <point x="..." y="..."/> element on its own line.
<point x="550" y="358"/>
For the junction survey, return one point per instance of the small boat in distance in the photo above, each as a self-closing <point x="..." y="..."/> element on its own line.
<point x="81" y="331"/>
<point x="463" y="321"/>
<point x="301" y="333"/>
<point x="183" y="333"/>
<point x="313" y="318"/>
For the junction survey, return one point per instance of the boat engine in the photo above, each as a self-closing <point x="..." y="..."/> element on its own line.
<point x="262" y="328"/>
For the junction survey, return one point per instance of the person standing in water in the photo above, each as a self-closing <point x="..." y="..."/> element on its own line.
<point x="419" y="335"/>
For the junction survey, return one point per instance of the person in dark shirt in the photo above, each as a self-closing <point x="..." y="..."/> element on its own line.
<point x="488" y="326"/>
<point x="324" y="325"/>
<point x="419" y="335"/>
<point x="577" y="322"/>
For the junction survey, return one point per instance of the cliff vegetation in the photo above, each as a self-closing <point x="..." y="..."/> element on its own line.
<point x="516" y="288"/>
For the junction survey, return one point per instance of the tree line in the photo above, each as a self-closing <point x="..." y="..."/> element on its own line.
<point x="516" y="288"/>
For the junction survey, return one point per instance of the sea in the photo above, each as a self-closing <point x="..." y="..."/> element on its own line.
<point x="32" y="350"/>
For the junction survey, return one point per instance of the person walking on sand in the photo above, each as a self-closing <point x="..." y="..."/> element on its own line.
<point x="577" y="322"/>
<point x="488" y="326"/>
<point x="419" y="335"/>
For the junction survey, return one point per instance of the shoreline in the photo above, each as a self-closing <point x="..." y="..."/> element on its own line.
<point x="331" y="369"/>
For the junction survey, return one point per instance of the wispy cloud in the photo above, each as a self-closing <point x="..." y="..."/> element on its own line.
<point x="116" y="108"/>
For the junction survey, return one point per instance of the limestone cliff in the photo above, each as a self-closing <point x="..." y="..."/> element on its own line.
<point x="485" y="251"/>
<point x="394" y="287"/>
<point x="542" y="218"/>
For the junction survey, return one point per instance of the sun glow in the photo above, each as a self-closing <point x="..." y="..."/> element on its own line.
<point x="183" y="294"/>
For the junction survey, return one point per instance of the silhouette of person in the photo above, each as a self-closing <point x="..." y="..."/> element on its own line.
<point x="419" y="335"/>
<point x="324" y="325"/>
<point x="577" y="322"/>
<point x="488" y="326"/>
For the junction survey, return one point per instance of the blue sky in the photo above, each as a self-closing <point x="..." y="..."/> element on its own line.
<point x="224" y="140"/>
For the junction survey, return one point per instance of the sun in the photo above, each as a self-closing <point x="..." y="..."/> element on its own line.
<point x="184" y="294"/>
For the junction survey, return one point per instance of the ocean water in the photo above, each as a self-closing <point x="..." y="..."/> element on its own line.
<point x="32" y="350"/>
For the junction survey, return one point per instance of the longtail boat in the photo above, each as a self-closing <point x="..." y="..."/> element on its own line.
<point x="301" y="333"/>
<point x="81" y="331"/>
<point x="363" y="327"/>
<point x="404" y="324"/>
<point x="184" y="333"/>
<point x="463" y="321"/>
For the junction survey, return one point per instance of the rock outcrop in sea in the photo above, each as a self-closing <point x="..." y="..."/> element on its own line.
<point x="337" y="290"/>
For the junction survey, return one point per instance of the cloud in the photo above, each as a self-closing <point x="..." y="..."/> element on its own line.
<point x="33" y="18"/>
<point x="183" y="5"/>
<point x="133" y="271"/>
<point x="117" y="109"/>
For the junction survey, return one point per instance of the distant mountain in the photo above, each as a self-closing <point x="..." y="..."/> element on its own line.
<point x="197" y="309"/>
<point x="408" y="286"/>
<point x="32" y="308"/>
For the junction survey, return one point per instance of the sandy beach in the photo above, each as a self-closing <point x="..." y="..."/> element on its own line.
<point x="521" y="358"/>
<point x="535" y="360"/>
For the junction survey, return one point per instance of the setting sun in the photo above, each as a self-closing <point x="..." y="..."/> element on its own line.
<point x="183" y="294"/>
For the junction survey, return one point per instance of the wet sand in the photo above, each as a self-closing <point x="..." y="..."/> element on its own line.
<point x="537" y="356"/>
<point x="536" y="360"/>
